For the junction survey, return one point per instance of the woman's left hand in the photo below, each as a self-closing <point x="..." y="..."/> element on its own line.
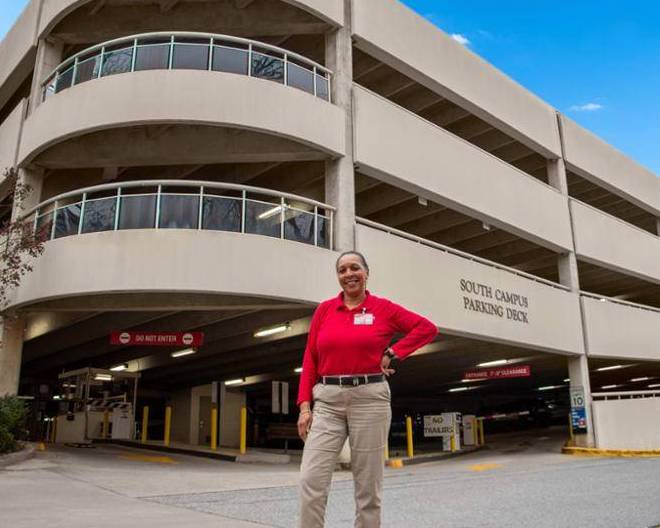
<point x="385" y="366"/>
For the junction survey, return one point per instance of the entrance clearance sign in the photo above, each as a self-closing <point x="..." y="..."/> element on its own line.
<point x="520" y="371"/>
<point x="189" y="339"/>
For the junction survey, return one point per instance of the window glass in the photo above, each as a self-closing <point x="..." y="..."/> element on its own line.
<point x="221" y="214"/>
<point x="322" y="230"/>
<point x="137" y="212"/>
<point x="64" y="80"/>
<point x="322" y="88"/>
<point x="44" y="226"/>
<point x="190" y="57"/>
<point x="88" y="69"/>
<point x="230" y="60"/>
<point x="262" y="218"/>
<point x="300" y="77"/>
<point x="267" y="67"/>
<point x="117" y="61"/>
<point x="153" y="57"/>
<point x="99" y="215"/>
<point x="299" y="226"/>
<point x="179" y="212"/>
<point x="66" y="221"/>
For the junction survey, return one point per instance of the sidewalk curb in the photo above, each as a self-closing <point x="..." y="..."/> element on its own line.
<point x="19" y="456"/>
<point x="594" y="452"/>
<point x="399" y="462"/>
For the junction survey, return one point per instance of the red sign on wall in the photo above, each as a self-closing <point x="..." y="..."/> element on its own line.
<point x="519" y="371"/>
<point x="173" y="339"/>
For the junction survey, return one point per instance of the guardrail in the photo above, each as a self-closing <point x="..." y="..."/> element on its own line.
<point x="183" y="204"/>
<point x="458" y="253"/>
<point x="612" y="300"/>
<point x="624" y="395"/>
<point x="190" y="51"/>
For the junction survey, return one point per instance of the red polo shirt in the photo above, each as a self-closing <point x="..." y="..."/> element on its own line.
<point x="336" y="345"/>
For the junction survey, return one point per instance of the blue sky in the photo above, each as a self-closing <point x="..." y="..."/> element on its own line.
<point x="597" y="61"/>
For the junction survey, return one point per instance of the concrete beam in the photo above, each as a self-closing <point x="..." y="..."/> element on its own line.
<point x="167" y="5"/>
<point x="177" y="145"/>
<point x="96" y="8"/>
<point x="378" y="199"/>
<point x="406" y="212"/>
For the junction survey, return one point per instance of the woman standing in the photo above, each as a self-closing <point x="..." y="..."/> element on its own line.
<point x="345" y="365"/>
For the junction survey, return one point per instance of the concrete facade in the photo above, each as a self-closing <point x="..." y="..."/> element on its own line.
<point x="468" y="193"/>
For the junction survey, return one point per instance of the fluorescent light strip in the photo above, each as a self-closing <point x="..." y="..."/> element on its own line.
<point x="297" y="370"/>
<point x="460" y="389"/>
<point x="654" y="385"/>
<point x="234" y="381"/>
<point x="103" y="377"/>
<point x="610" y="386"/>
<point x="493" y="363"/>
<point x="643" y="378"/>
<point x="184" y="352"/>
<point x="550" y="387"/>
<point x="119" y="368"/>
<point x="273" y="330"/>
<point x="613" y="367"/>
<point x="271" y="212"/>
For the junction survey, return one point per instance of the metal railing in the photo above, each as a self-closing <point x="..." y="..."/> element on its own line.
<point x="458" y="253"/>
<point x="625" y="395"/>
<point x="183" y="204"/>
<point x="190" y="51"/>
<point x="613" y="300"/>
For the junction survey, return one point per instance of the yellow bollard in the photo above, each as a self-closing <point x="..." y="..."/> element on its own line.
<point x="243" y="447"/>
<point x="482" y="440"/>
<point x="452" y="442"/>
<point x="409" y="436"/>
<point x="214" y="428"/>
<point x="570" y="430"/>
<point x="145" y="423"/>
<point x="106" y="423"/>
<point x="168" y="426"/>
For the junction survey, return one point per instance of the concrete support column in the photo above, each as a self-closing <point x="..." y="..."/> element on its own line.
<point x="11" y="353"/>
<point x="35" y="179"/>
<point x="578" y="366"/>
<point x="339" y="173"/>
<point x="657" y="226"/>
<point x="49" y="56"/>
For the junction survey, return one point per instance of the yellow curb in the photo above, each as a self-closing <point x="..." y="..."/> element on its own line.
<point x="395" y="463"/>
<point x="593" y="452"/>
<point x="148" y="458"/>
<point x="484" y="467"/>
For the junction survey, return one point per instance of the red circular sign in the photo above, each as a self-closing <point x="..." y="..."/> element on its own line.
<point x="187" y="339"/>
<point x="124" y="338"/>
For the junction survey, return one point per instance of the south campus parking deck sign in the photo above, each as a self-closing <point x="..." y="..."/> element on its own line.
<point x="173" y="339"/>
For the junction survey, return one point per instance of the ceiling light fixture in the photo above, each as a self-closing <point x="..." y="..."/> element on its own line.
<point x="103" y="377"/>
<point x="550" y="387"/>
<point x="460" y="389"/>
<point x="297" y="370"/>
<point x="234" y="381"/>
<point x="654" y="385"/>
<point x="272" y="330"/>
<point x="610" y="386"/>
<point x="613" y="367"/>
<point x="119" y="368"/>
<point x="184" y="352"/>
<point x="271" y="212"/>
<point x="493" y="363"/>
<point x="643" y="378"/>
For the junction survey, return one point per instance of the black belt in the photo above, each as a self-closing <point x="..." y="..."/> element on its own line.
<point x="352" y="381"/>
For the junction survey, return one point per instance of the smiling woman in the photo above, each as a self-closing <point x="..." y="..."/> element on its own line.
<point x="346" y="363"/>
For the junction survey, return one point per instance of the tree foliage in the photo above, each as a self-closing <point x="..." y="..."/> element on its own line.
<point x="13" y="415"/>
<point x="20" y="244"/>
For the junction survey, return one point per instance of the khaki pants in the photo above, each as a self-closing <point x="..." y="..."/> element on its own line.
<point x="363" y="413"/>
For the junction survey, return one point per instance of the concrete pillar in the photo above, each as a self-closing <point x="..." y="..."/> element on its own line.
<point x="578" y="366"/>
<point x="49" y="56"/>
<point x="33" y="177"/>
<point x="657" y="226"/>
<point x="11" y="353"/>
<point x="339" y="173"/>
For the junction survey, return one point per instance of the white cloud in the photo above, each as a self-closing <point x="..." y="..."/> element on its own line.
<point x="461" y="39"/>
<point x="588" y="107"/>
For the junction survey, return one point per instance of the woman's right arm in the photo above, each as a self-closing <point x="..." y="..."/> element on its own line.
<point x="308" y="377"/>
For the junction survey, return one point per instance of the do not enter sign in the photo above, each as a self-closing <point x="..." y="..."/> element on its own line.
<point x="173" y="339"/>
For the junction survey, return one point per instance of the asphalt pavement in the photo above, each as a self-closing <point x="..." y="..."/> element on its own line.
<point x="520" y="480"/>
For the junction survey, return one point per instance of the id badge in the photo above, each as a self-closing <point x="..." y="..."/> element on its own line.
<point x="363" y="319"/>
